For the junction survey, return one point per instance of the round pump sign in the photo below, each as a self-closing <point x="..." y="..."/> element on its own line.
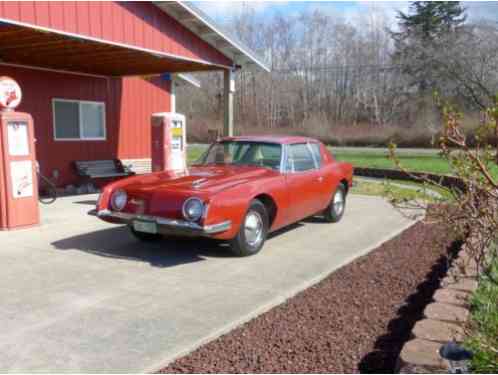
<point x="10" y="93"/>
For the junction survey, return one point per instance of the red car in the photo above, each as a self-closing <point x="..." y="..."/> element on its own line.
<point x="240" y="190"/>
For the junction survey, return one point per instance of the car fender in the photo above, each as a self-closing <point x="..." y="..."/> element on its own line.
<point x="233" y="203"/>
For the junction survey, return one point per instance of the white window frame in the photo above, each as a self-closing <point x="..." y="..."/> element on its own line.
<point x="80" y="122"/>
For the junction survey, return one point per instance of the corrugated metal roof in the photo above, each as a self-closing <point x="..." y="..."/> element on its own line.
<point x="210" y="31"/>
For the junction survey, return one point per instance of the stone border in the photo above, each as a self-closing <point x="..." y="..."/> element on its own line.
<point x="444" y="319"/>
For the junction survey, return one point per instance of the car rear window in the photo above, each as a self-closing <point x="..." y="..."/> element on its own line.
<point x="315" y="148"/>
<point x="300" y="158"/>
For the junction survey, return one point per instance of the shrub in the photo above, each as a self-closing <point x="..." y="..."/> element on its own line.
<point x="472" y="213"/>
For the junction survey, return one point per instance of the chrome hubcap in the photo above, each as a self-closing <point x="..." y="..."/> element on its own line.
<point x="253" y="228"/>
<point x="338" y="202"/>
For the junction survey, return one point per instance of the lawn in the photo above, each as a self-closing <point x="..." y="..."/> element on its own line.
<point x="394" y="189"/>
<point x="412" y="161"/>
<point x="415" y="163"/>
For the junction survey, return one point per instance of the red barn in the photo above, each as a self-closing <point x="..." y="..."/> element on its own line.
<point x="92" y="73"/>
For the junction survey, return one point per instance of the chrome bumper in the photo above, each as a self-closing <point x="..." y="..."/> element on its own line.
<point x="165" y="226"/>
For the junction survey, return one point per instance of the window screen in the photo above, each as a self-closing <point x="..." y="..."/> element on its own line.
<point x="300" y="158"/>
<point x="79" y="120"/>
<point x="92" y="118"/>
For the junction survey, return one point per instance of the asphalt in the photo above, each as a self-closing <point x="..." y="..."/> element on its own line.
<point x="80" y="295"/>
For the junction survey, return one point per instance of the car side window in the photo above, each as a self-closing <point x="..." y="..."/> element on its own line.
<point x="315" y="149"/>
<point x="300" y="158"/>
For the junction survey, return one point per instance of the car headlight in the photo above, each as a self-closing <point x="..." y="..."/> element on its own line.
<point x="118" y="200"/>
<point x="193" y="208"/>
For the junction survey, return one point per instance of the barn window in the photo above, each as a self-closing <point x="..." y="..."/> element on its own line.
<point x="78" y="120"/>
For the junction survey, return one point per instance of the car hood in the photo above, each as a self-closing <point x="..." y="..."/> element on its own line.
<point x="203" y="179"/>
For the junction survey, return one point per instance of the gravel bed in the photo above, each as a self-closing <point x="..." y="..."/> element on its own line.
<point x="355" y="320"/>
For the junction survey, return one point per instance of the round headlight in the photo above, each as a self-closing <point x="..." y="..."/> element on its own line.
<point x="193" y="208"/>
<point x="118" y="200"/>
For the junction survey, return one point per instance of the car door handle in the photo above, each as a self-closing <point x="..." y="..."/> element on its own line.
<point x="320" y="179"/>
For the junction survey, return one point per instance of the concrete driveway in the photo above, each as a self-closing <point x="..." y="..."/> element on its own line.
<point x="79" y="295"/>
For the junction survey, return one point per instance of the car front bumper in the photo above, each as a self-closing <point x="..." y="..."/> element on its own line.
<point x="164" y="225"/>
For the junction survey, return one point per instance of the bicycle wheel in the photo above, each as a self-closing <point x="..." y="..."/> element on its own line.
<point x="48" y="193"/>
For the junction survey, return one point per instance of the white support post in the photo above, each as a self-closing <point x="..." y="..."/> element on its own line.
<point x="228" y="90"/>
<point x="173" y="95"/>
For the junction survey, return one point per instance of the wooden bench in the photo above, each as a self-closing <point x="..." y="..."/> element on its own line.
<point x="92" y="169"/>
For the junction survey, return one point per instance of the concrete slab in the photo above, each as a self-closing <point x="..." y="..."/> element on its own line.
<point x="80" y="295"/>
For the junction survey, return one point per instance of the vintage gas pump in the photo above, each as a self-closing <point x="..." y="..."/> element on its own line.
<point x="18" y="182"/>
<point x="169" y="142"/>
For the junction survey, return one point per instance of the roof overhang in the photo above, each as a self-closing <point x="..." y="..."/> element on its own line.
<point x="187" y="79"/>
<point x="34" y="46"/>
<point x="199" y="23"/>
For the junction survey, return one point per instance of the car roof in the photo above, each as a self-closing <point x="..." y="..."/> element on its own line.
<point x="282" y="139"/>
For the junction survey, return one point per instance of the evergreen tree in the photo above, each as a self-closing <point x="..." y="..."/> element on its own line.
<point x="420" y="31"/>
<point x="428" y="19"/>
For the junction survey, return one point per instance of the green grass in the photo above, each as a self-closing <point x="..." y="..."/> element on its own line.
<point x="484" y="320"/>
<point x="397" y="192"/>
<point x="415" y="163"/>
<point x="194" y="152"/>
<point x="430" y="163"/>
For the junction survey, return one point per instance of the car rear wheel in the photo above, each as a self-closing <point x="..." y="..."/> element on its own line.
<point x="253" y="230"/>
<point x="335" y="210"/>
<point x="146" y="237"/>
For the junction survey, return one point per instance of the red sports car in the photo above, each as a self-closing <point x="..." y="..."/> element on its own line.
<point x="240" y="190"/>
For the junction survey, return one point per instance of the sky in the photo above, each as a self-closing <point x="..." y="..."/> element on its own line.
<point x="224" y="11"/>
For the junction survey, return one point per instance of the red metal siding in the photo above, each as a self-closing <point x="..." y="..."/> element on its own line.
<point x="129" y="105"/>
<point x="140" y="24"/>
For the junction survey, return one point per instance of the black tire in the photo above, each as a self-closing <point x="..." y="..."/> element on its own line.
<point x="241" y="245"/>
<point x="145" y="237"/>
<point x="334" y="211"/>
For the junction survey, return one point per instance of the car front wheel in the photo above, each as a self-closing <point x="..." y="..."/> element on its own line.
<point x="253" y="230"/>
<point x="335" y="210"/>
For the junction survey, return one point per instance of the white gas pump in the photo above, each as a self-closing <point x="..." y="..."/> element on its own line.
<point x="169" y="142"/>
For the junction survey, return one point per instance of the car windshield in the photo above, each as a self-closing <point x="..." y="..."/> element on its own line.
<point x="261" y="154"/>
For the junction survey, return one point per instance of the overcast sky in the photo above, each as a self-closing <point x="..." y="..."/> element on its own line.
<point x="223" y="11"/>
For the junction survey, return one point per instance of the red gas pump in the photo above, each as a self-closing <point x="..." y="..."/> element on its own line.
<point x="169" y="142"/>
<point x="18" y="182"/>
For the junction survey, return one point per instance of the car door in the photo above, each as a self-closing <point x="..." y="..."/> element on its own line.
<point x="325" y="179"/>
<point x="303" y="181"/>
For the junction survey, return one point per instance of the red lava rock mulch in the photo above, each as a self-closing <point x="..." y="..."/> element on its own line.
<point x="355" y="320"/>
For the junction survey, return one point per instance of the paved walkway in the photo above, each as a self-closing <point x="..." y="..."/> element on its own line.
<point x="80" y="295"/>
